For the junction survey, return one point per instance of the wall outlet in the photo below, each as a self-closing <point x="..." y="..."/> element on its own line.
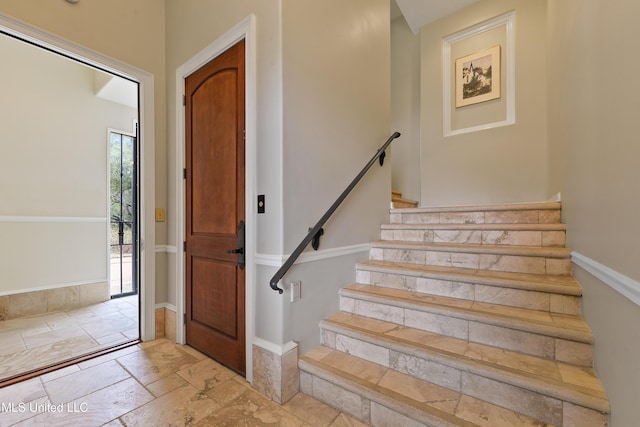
<point x="296" y="291"/>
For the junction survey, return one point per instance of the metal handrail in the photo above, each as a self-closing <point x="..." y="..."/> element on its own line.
<point x="317" y="229"/>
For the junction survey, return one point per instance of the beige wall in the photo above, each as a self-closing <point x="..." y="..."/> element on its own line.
<point x="338" y="112"/>
<point x="595" y="163"/>
<point x="505" y="164"/>
<point x="336" y="75"/>
<point x="614" y="321"/>
<point x="129" y="31"/>
<point x="318" y="122"/>
<point x="191" y="27"/>
<point x="53" y="170"/>
<point x="405" y="109"/>
<point x="593" y="111"/>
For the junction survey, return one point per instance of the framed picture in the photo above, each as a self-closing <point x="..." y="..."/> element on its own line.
<point x="478" y="77"/>
<point x="458" y="119"/>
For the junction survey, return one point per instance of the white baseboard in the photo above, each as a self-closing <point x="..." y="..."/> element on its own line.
<point x="166" y="305"/>
<point x="625" y="285"/>
<point x="50" y="287"/>
<point x="275" y="348"/>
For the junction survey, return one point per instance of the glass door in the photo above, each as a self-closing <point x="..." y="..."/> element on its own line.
<point x="123" y="259"/>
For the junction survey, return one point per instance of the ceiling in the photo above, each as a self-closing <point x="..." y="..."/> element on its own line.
<point x="115" y="89"/>
<point x="419" y="13"/>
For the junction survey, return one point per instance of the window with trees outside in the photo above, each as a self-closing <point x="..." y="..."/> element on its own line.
<point x="123" y="214"/>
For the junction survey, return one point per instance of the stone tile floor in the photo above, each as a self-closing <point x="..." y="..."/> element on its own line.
<point x="156" y="383"/>
<point x="37" y="341"/>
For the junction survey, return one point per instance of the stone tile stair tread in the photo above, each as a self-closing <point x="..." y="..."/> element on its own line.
<point x="578" y="385"/>
<point x="415" y="398"/>
<point x="477" y="226"/>
<point x="535" y="251"/>
<point x="477" y="208"/>
<point x="561" y="284"/>
<point x="395" y="198"/>
<point x="542" y="322"/>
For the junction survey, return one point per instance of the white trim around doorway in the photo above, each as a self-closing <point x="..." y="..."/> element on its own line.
<point x="145" y="82"/>
<point x="245" y="29"/>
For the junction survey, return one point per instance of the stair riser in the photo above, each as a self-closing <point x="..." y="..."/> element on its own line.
<point x="538" y="405"/>
<point x="350" y="402"/>
<point x="536" y="344"/>
<point x="491" y="262"/>
<point x="478" y="237"/>
<point x="433" y="372"/>
<point x="478" y="217"/>
<point x="534" y="300"/>
<point x="335" y="396"/>
<point x="323" y="387"/>
<point x="535" y="405"/>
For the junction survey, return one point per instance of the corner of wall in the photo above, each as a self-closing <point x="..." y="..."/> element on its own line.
<point x="275" y="370"/>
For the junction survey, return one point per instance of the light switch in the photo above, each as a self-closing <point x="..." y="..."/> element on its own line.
<point x="160" y="217"/>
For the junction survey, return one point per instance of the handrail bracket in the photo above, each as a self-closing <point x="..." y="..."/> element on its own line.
<point x="315" y="242"/>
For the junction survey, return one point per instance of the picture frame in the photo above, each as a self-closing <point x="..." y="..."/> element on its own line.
<point x="477" y="77"/>
<point x="499" y="30"/>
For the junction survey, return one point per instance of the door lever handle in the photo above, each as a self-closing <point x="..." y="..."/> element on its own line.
<point x="241" y="242"/>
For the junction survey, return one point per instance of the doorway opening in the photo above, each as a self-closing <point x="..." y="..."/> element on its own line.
<point x="59" y="306"/>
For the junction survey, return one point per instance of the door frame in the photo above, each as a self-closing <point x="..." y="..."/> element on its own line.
<point x="245" y="29"/>
<point x="146" y="137"/>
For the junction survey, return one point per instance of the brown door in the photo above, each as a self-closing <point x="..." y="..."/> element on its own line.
<point x="215" y="194"/>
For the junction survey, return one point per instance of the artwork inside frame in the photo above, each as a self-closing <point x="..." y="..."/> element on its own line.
<point x="477" y="77"/>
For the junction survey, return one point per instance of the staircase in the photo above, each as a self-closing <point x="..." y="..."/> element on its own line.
<point x="463" y="316"/>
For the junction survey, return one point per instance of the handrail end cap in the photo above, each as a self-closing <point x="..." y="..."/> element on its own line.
<point x="274" y="286"/>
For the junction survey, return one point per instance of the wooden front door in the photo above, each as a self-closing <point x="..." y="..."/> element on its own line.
<point x="215" y="208"/>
